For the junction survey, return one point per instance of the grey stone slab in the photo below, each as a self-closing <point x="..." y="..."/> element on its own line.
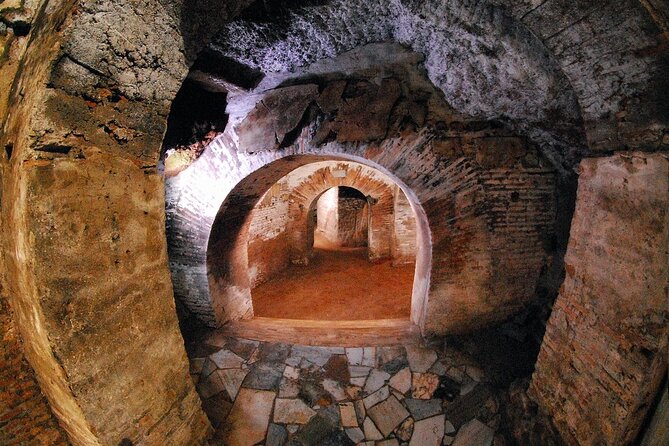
<point x="401" y="381"/>
<point x="420" y="358"/>
<point x="276" y="435"/>
<point x="358" y="371"/>
<point x="271" y="352"/>
<point x="375" y="398"/>
<point x="421" y="409"/>
<point x="354" y="356"/>
<point x="474" y="433"/>
<point x="264" y="376"/>
<point x="428" y="432"/>
<point x="388" y="414"/>
<point x="348" y="415"/>
<point x="355" y="434"/>
<point x="467" y="407"/>
<point x="315" y="355"/>
<point x="243" y="348"/>
<point x="232" y="380"/>
<point x="317" y="430"/>
<point x="249" y="418"/>
<point x="288" y="388"/>
<point x="376" y="379"/>
<point x="208" y="368"/>
<point x="335" y="389"/>
<point x="336" y="438"/>
<point x="217" y="410"/>
<point x="225" y="359"/>
<point x="371" y="431"/>
<point x="210" y="386"/>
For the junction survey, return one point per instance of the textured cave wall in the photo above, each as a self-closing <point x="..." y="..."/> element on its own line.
<point x="542" y="65"/>
<point x="83" y="219"/>
<point x="25" y="416"/>
<point x="604" y="354"/>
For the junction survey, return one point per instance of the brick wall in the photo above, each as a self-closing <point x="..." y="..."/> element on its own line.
<point x="25" y="416"/>
<point x="604" y="353"/>
<point x="468" y="260"/>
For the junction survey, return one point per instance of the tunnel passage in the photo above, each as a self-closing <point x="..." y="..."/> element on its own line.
<point x="340" y="218"/>
<point x="269" y="253"/>
<point x="483" y="194"/>
<point x="71" y="84"/>
<point x="349" y="268"/>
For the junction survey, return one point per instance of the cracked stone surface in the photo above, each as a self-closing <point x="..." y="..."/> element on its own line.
<point x="297" y="395"/>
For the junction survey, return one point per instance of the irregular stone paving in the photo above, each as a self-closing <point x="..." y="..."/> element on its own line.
<point x="258" y="393"/>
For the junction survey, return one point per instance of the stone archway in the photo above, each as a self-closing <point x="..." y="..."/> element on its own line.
<point x="227" y="254"/>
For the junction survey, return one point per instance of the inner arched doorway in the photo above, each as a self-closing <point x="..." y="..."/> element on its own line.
<point x="332" y="241"/>
<point x="368" y="261"/>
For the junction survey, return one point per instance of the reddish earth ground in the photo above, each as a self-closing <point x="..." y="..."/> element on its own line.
<point x="338" y="284"/>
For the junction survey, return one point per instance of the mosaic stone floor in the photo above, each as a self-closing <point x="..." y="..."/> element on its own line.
<point x="258" y="393"/>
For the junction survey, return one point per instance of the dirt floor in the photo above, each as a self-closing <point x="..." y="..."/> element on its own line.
<point x="338" y="284"/>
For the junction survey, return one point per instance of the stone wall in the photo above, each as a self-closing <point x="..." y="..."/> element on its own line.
<point x="353" y="217"/>
<point x="327" y="212"/>
<point x="404" y="233"/>
<point x="604" y="353"/>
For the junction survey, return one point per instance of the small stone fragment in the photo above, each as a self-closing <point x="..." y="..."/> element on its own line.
<point x="225" y="359"/>
<point x="292" y="411"/>
<point x="474" y="433"/>
<point x="371" y="432"/>
<point x="424" y="385"/>
<point x="276" y="435"/>
<point x="353" y="392"/>
<point x="405" y="430"/>
<point x="348" y="415"/>
<point x="388" y="414"/>
<point x="401" y="381"/>
<point x="428" y="432"/>
<point x="420" y="358"/>
<point x="291" y="372"/>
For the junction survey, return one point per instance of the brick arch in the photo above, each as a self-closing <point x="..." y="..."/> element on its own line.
<point x="228" y="289"/>
<point x="379" y="195"/>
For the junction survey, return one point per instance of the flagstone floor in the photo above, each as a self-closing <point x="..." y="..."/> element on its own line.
<point x="258" y="393"/>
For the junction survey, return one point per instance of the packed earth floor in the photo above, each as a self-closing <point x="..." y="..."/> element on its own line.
<point x="258" y="393"/>
<point x="338" y="284"/>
